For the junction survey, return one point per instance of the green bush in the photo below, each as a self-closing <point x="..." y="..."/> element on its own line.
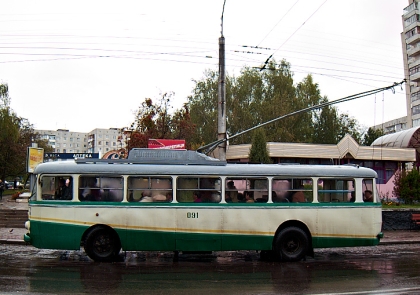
<point x="407" y="186"/>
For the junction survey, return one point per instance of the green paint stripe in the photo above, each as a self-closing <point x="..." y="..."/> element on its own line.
<point x="223" y="205"/>
<point x="68" y="236"/>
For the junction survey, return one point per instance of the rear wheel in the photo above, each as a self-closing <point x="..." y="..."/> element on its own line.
<point x="102" y="244"/>
<point x="291" y="244"/>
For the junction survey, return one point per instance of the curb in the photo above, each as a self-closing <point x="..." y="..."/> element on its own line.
<point x="398" y="242"/>
<point x="12" y="242"/>
<point x="384" y="243"/>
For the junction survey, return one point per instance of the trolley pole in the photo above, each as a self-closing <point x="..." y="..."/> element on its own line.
<point x="221" y="110"/>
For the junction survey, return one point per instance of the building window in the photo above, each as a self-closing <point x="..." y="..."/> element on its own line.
<point x="415" y="96"/>
<point x="416" y="122"/>
<point x="415" y="110"/>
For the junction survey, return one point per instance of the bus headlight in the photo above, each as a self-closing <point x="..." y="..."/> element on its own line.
<point x="28" y="225"/>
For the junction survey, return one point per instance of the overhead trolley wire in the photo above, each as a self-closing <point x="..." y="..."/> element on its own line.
<point x="211" y="146"/>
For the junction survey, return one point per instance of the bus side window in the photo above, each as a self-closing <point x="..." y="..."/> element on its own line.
<point x="57" y="187"/>
<point x="298" y="190"/>
<point x="367" y="188"/>
<point x="88" y="189"/>
<point x="149" y="189"/>
<point x="239" y="189"/>
<point x="48" y="187"/>
<point x="335" y="190"/>
<point x="206" y="188"/>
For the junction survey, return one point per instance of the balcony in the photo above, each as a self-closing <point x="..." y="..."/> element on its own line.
<point x="413" y="61"/>
<point x="409" y="8"/>
<point x="414" y="51"/>
<point x="414" y="89"/>
<point x="413" y="39"/>
<point x="410" y="25"/>
<point x="415" y="77"/>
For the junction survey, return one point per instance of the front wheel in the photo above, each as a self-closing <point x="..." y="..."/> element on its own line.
<point x="291" y="244"/>
<point x="102" y="244"/>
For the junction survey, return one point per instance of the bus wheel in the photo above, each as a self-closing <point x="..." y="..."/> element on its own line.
<point x="291" y="244"/>
<point x="102" y="244"/>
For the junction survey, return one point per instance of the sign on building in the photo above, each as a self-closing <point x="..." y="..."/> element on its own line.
<point x="49" y="157"/>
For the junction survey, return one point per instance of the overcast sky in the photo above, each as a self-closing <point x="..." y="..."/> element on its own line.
<point x="81" y="65"/>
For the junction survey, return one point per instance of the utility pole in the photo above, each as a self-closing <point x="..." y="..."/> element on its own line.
<point x="221" y="110"/>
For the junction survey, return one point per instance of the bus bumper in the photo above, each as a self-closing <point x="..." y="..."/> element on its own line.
<point x="27" y="238"/>
<point x="380" y="235"/>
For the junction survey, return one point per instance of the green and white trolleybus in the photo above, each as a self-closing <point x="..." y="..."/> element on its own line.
<point x="169" y="200"/>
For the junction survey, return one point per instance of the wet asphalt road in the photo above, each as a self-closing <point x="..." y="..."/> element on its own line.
<point x="391" y="269"/>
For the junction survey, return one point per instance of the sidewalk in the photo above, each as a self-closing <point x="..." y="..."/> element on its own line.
<point x="12" y="235"/>
<point x="15" y="235"/>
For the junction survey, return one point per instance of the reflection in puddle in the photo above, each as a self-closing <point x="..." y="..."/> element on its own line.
<point x="242" y="272"/>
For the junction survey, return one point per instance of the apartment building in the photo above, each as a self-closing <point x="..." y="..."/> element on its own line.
<point x="96" y="141"/>
<point x="410" y="38"/>
<point x="65" y="141"/>
<point x="393" y="126"/>
<point x="104" y="140"/>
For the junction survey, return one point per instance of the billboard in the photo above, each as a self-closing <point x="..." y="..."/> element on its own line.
<point x="35" y="156"/>
<point x="169" y="144"/>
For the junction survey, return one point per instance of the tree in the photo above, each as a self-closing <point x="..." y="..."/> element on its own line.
<point x="154" y="120"/>
<point x="16" y="135"/>
<point x="203" y="106"/>
<point x="371" y="135"/>
<point x="326" y="124"/>
<point x="349" y="125"/>
<point x="182" y="126"/>
<point x="258" y="153"/>
<point x="256" y="97"/>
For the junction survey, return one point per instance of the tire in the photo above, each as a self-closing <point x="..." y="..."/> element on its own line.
<point x="102" y="244"/>
<point x="291" y="244"/>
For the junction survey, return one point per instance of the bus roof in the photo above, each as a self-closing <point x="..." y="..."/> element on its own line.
<point x="147" y="162"/>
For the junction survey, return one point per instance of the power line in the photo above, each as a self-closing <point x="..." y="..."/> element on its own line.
<point x="268" y="59"/>
<point x="277" y="23"/>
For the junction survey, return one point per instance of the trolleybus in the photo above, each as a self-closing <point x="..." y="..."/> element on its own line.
<point x="171" y="200"/>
